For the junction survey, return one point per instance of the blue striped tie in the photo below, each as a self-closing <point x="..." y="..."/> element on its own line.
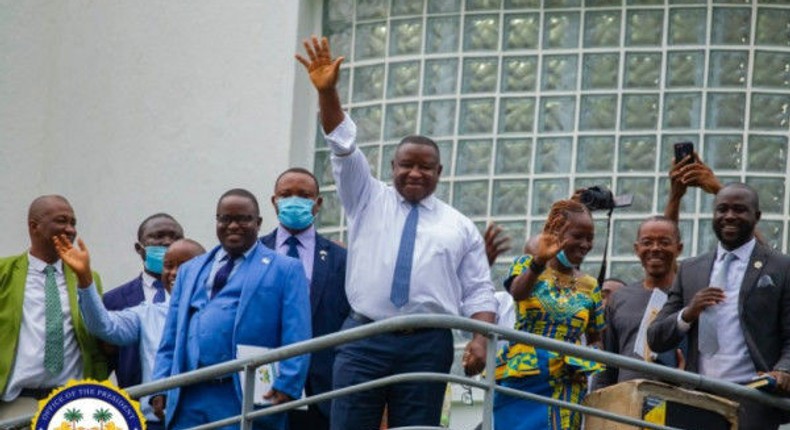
<point x="399" y="295"/>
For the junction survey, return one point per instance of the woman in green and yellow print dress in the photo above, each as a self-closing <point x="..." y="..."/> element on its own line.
<point x="553" y="299"/>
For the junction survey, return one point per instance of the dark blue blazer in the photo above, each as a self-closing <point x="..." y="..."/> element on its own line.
<point x="127" y="362"/>
<point x="329" y="307"/>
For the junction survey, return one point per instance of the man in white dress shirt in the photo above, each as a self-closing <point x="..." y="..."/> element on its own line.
<point x="44" y="340"/>
<point x="734" y="305"/>
<point x="409" y="253"/>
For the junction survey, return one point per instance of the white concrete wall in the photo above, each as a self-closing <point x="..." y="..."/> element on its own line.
<point x="131" y="108"/>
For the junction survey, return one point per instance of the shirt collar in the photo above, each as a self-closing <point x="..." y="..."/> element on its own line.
<point x="743" y="252"/>
<point x="39" y="265"/>
<point x="429" y="203"/>
<point x="221" y="253"/>
<point x="148" y="280"/>
<point x="304" y="236"/>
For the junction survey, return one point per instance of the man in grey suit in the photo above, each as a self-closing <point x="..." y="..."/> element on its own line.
<point x="734" y="304"/>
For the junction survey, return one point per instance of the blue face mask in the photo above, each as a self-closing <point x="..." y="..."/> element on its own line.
<point x="155" y="258"/>
<point x="563" y="259"/>
<point x="295" y="213"/>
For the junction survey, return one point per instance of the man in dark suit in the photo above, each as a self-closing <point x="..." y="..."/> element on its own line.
<point x="734" y="304"/>
<point x="238" y="295"/>
<point x="154" y="235"/>
<point x="297" y="201"/>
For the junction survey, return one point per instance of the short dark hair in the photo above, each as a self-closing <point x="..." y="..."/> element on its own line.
<point x="241" y="192"/>
<point x="418" y="139"/>
<point x="151" y="218"/>
<point x="660" y="218"/>
<point x="302" y="171"/>
<point x="749" y="189"/>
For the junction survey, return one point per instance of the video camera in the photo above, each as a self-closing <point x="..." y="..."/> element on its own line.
<point x="600" y="198"/>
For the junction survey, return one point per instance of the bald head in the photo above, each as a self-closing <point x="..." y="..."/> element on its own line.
<point x="43" y="203"/>
<point x="178" y="253"/>
<point x="49" y="216"/>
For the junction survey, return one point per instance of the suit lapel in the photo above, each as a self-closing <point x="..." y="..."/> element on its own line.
<point x="135" y="295"/>
<point x="701" y="273"/>
<point x="320" y="268"/>
<point x="753" y="270"/>
<point x="270" y="240"/>
<point x="251" y="273"/>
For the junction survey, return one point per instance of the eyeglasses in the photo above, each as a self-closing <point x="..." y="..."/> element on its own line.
<point x="238" y="219"/>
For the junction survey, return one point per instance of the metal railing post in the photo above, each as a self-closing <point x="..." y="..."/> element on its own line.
<point x="488" y="401"/>
<point x="248" y="397"/>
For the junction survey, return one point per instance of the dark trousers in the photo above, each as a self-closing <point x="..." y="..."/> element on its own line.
<point x="408" y="404"/>
<point x="755" y="416"/>
<point x="310" y="419"/>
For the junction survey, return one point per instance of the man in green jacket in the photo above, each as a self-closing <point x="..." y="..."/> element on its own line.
<point x="44" y="340"/>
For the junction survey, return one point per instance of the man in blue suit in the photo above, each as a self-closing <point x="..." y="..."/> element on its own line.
<point x="239" y="293"/>
<point x="154" y="236"/>
<point x="297" y="201"/>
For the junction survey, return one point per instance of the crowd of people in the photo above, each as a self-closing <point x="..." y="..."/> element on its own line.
<point x="722" y="314"/>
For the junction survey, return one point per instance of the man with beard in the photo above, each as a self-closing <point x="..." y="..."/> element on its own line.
<point x="734" y="305"/>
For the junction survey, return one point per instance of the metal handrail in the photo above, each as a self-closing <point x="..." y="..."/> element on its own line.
<point x="493" y="332"/>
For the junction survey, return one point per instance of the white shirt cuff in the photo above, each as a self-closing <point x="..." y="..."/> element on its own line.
<point x="342" y="140"/>
<point x="683" y="325"/>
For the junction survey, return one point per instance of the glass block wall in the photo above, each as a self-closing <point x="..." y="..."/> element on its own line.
<point x="529" y="100"/>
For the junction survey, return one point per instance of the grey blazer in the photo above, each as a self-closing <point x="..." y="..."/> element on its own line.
<point x="763" y="309"/>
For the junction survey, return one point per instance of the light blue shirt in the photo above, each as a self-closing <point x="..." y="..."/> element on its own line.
<point x="142" y="324"/>
<point x="219" y="261"/>
<point x="306" y="247"/>
<point x="732" y="361"/>
<point x="450" y="273"/>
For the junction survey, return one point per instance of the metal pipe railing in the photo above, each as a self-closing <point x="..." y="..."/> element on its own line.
<point x="493" y="332"/>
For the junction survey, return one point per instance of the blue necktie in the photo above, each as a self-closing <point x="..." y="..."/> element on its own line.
<point x="222" y="275"/>
<point x="707" y="332"/>
<point x="159" y="297"/>
<point x="399" y="295"/>
<point x="292" y="250"/>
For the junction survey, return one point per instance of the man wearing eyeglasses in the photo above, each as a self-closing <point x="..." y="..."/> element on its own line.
<point x="239" y="294"/>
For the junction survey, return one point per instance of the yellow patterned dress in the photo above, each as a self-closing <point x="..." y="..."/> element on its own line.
<point x="562" y="313"/>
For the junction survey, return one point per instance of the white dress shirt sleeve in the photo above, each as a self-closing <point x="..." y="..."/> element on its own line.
<point x="351" y="170"/>
<point x="117" y="327"/>
<point x="476" y="287"/>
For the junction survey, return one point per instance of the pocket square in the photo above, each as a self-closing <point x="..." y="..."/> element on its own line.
<point x="765" y="281"/>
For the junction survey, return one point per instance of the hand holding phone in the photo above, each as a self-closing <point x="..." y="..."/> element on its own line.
<point x="682" y="150"/>
<point x="764" y="382"/>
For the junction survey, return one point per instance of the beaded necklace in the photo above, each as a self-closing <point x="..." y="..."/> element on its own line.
<point x="563" y="286"/>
